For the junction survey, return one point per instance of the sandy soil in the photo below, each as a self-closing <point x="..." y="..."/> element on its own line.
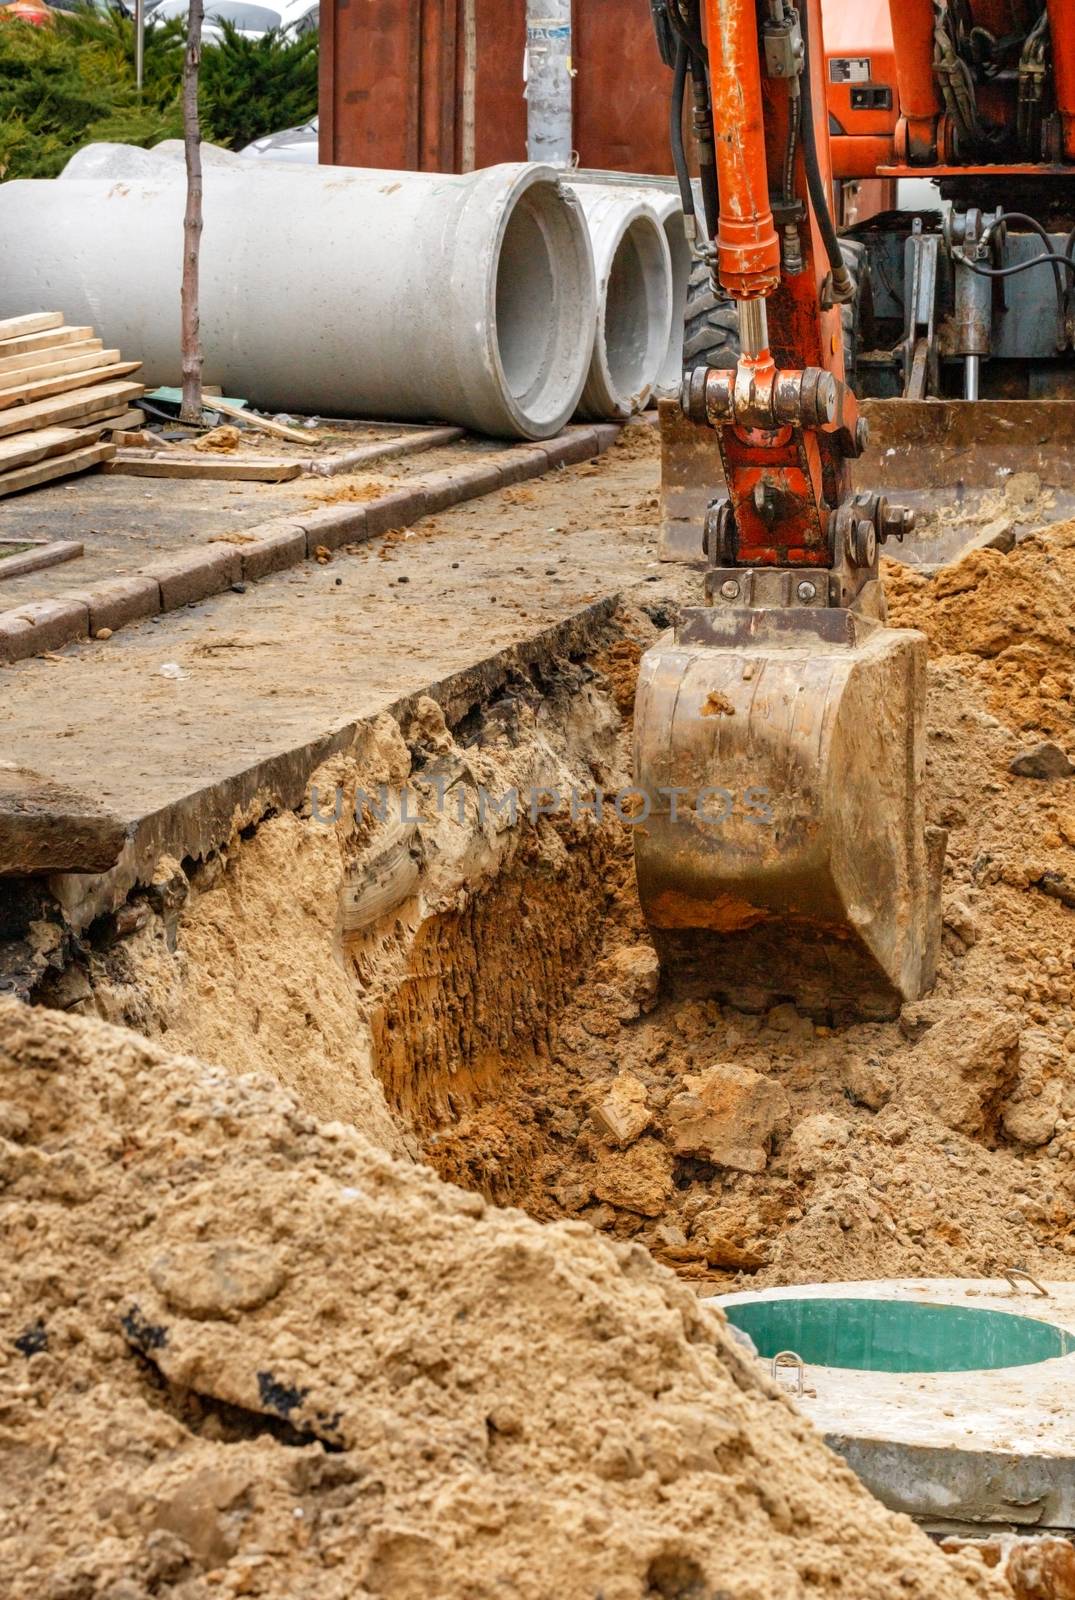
<point x="247" y="1353"/>
<point x="499" y="1013"/>
<point x="771" y="1148"/>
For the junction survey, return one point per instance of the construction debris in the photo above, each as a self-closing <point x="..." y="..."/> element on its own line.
<point x="154" y="464"/>
<point x="20" y="556"/>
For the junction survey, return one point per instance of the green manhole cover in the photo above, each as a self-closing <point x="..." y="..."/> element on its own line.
<point x="893" y="1336"/>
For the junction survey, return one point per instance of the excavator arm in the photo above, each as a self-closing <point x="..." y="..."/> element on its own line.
<point x="779" y="729"/>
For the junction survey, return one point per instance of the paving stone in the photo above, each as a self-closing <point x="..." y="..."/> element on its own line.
<point x="196" y="575"/>
<point x="577" y="444"/>
<point x="395" y="510"/>
<point x="115" y="602"/>
<point x="516" y="466"/>
<point x="40" y="625"/>
<point x="276" y="546"/>
<point x="444" y="489"/>
<point x="333" y="527"/>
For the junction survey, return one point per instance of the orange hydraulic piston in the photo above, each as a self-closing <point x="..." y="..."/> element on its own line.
<point x="1062" y="31"/>
<point x="920" y="104"/>
<point x="748" y="250"/>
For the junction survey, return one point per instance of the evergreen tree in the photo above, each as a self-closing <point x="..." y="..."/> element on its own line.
<point x="72" y="83"/>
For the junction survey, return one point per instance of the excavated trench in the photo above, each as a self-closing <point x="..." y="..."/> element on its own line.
<point x="469" y="983"/>
<point x="446" y="950"/>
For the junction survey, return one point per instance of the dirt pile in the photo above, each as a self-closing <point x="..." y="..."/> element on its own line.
<point x="1009" y="618"/>
<point x="485" y="995"/>
<point x="247" y="1353"/>
<point x="777" y="1150"/>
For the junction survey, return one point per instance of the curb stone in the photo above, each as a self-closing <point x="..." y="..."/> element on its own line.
<point x="182" y="579"/>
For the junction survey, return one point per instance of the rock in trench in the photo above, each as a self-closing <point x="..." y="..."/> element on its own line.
<point x="1044" y="761"/>
<point x="727" y="1116"/>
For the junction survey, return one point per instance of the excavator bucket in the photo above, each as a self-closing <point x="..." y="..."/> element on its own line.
<point x="784" y="855"/>
<point x="779" y="747"/>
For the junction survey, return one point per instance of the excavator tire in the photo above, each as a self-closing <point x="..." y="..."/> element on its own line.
<point x="711" y="328"/>
<point x="710" y="324"/>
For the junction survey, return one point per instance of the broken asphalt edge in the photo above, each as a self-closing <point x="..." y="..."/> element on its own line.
<point x="204" y="817"/>
<point x="183" y="579"/>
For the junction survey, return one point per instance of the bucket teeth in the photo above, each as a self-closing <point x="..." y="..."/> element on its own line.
<point x="784" y="854"/>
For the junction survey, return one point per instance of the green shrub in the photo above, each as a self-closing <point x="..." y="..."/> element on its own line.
<point x="250" y="87"/>
<point x="72" y="83"/>
<point x="66" y="85"/>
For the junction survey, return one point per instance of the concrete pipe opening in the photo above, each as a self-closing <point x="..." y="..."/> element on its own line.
<point x="543" y="300"/>
<point x="636" y="312"/>
<point x="634" y="307"/>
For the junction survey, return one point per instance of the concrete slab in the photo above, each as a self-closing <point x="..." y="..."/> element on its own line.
<point x="274" y="679"/>
<point x="952" y="1449"/>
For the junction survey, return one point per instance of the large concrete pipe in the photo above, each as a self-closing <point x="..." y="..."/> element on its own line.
<point x="340" y="291"/>
<point x="663" y="198"/>
<point x="634" y="301"/>
<point x="104" y="160"/>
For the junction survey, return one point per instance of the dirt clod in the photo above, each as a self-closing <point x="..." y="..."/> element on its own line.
<point x="727" y="1116"/>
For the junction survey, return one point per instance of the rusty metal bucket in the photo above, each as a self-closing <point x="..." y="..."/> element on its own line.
<point x="785" y="856"/>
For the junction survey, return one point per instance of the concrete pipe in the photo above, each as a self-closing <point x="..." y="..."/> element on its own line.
<point x="663" y="198"/>
<point x="340" y="291"/>
<point x="634" y="301"/>
<point x="104" y="160"/>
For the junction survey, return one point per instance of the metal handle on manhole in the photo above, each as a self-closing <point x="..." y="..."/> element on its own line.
<point x="1013" y="1273"/>
<point x="790" y="1358"/>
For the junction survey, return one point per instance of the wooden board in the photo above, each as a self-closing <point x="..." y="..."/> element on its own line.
<point x="141" y="464"/>
<point x="34" y="322"/>
<point x="262" y="424"/>
<point x="56" y="467"/>
<point x="26" y="448"/>
<point x="31" y="392"/>
<point x="130" y="421"/>
<point x="54" y="364"/>
<point x="32" y="362"/>
<point x="47" y="554"/>
<point x="52" y="339"/>
<point x="81" y="405"/>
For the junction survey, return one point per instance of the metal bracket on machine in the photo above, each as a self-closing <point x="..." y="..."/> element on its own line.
<point x="779" y="433"/>
<point x="919" y="347"/>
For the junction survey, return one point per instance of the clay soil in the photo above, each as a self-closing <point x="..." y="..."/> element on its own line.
<point x="254" y="1343"/>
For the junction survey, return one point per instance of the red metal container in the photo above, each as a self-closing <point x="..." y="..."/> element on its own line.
<point x="437" y="85"/>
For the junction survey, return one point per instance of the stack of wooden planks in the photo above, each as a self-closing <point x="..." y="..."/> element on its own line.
<point x="60" y="392"/>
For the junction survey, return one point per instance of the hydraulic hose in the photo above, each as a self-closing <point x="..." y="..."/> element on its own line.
<point x="690" y="57"/>
<point x="675" y="129"/>
<point x="703" y="125"/>
<point x="842" y="286"/>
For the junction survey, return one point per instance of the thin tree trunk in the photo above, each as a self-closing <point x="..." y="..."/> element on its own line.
<point x="190" y="334"/>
